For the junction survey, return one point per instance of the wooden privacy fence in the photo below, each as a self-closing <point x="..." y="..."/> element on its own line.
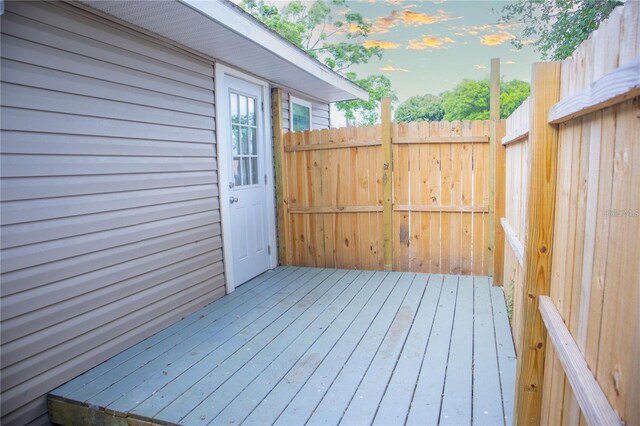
<point x="572" y="252"/>
<point x="333" y="187"/>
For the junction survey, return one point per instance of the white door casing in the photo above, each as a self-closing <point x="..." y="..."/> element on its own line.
<point x="245" y="172"/>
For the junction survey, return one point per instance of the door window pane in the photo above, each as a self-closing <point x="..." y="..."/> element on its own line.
<point x="244" y="139"/>
<point x="235" y="135"/>
<point x="237" y="177"/>
<point x="253" y="142"/>
<point x="234" y="108"/>
<point x="254" y="170"/>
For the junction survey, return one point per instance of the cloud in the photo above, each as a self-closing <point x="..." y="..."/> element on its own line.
<point x="429" y="42"/>
<point x="381" y="44"/>
<point x="382" y="25"/>
<point x="496" y="38"/>
<point x="391" y="68"/>
<point x="409" y="17"/>
<point x="394" y="2"/>
<point x="480" y="66"/>
<point x="507" y="62"/>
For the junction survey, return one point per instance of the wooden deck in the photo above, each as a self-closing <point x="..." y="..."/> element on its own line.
<point x="315" y="346"/>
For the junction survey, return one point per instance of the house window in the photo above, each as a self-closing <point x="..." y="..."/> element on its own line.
<point x="300" y="114"/>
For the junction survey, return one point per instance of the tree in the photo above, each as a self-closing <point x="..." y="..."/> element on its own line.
<point x="420" y="108"/>
<point x="469" y="100"/>
<point x="378" y="86"/>
<point x="512" y="94"/>
<point x="558" y="26"/>
<point x="310" y="25"/>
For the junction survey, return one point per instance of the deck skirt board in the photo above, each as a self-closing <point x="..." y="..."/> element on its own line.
<point x="315" y="346"/>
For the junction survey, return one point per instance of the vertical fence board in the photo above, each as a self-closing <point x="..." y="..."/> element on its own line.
<point x="544" y="93"/>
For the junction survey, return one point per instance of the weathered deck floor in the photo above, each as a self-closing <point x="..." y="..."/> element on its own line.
<point x="316" y="346"/>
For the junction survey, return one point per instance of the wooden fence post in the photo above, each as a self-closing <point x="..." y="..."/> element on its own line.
<point x="387" y="185"/>
<point x="497" y="177"/>
<point x="281" y="202"/>
<point x="494" y="116"/>
<point x="545" y="92"/>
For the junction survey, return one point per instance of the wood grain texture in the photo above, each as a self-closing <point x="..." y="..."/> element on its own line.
<point x="494" y="117"/>
<point x="387" y="186"/>
<point x="439" y="209"/>
<point x="591" y="399"/>
<point x="616" y="87"/>
<point x="544" y="93"/>
<point x="515" y="244"/>
<point x="279" y="165"/>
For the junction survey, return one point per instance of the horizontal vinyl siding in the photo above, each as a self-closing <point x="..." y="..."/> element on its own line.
<point x="110" y="212"/>
<point x="319" y="113"/>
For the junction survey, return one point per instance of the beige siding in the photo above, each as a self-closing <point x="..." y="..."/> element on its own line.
<point x="110" y="213"/>
<point x="319" y="113"/>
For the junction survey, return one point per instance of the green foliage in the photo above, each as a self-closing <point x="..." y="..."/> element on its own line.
<point x="310" y="25"/>
<point x="378" y="87"/>
<point x="469" y="100"/>
<point x="558" y="26"/>
<point x="420" y="108"/>
<point x="512" y="94"/>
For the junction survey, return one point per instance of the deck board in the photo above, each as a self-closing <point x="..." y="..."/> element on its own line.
<point x="319" y="346"/>
<point x="456" y="400"/>
<point x="487" y="405"/>
<point x="425" y="407"/>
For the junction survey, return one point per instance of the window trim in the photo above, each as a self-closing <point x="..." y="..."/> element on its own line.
<point x="301" y="102"/>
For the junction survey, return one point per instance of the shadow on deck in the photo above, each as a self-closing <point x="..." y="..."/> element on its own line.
<point x="315" y="346"/>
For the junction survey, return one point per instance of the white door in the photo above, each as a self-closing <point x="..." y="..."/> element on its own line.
<point x="247" y="179"/>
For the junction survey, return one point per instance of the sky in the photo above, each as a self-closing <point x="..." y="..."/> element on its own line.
<point x="430" y="46"/>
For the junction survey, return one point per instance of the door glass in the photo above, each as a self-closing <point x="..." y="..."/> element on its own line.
<point x="244" y="139"/>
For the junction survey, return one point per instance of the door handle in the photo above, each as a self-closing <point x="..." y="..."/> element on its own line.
<point x="231" y="185"/>
<point x="233" y="200"/>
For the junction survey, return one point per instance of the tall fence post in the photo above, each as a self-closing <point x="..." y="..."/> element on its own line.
<point x="387" y="184"/>
<point x="494" y="116"/>
<point x="497" y="178"/>
<point x="545" y="92"/>
<point x="281" y="203"/>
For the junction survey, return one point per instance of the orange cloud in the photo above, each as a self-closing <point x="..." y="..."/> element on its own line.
<point x="392" y="68"/>
<point x="394" y="2"/>
<point x="497" y="38"/>
<point x="429" y="42"/>
<point x="508" y="62"/>
<point x="382" y="25"/>
<point x="480" y="66"/>
<point x="381" y="44"/>
<point x="417" y="18"/>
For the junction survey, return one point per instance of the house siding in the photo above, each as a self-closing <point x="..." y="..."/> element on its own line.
<point x="319" y="112"/>
<point x="110" y="212"/>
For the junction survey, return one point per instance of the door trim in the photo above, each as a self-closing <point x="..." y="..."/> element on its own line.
<point x="224" y="176"/>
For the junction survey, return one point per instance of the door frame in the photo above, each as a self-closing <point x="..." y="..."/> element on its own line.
<point x="224" y="174"/>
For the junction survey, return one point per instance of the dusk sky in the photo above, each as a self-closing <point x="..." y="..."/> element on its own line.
<point x="430" y="46"/>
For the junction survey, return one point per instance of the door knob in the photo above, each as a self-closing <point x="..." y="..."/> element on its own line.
<point x="233" y="200"/>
